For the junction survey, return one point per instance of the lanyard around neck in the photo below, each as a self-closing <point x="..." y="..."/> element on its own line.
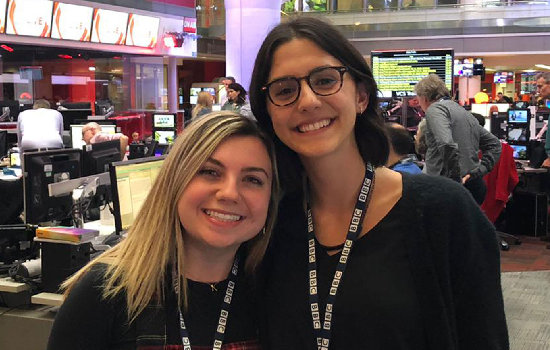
<point x="224" y="313"/>
<point x="322" y="327"/>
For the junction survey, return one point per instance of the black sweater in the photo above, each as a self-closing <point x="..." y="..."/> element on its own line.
<point x="436" y="261"/>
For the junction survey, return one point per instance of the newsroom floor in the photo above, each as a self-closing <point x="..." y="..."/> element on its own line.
<point x="526" y="291"/>
<point x="531" y="255"/>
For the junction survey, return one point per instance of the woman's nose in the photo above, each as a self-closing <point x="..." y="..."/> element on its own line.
<point x="307" y="99"/>
<point x="228" y="190"/>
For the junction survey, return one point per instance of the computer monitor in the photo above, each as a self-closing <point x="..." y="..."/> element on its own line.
<point x="520" y="152"/>
<point x="41" y="169"/>
<point x="130" y="182"/>
<point x="70" y="115"/>
<point x="518" y="115"/>
<point x="76" y="134"/>
<point x="164" y="120"/>
<point x="164" y="137"/>
<point x="9" y="110"/>
<point x="518" y="133"/>
<point x="97" y="157"/>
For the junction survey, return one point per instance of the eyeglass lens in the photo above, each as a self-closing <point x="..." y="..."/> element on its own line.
<point x="323" y="82"/>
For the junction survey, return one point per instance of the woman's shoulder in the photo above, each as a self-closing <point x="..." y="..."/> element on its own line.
<point x="433" y="190"/>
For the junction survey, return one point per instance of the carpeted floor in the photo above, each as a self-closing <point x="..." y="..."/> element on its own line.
<point x="527" y="304"/>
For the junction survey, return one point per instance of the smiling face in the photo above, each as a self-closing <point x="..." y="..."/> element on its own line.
<point x="226" y="202"/>
<point x="314" y="125"/>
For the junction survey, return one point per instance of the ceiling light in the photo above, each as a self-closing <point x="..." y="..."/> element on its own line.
<point x="357" y="23"/>
<point x="542" y="66"/>
<point x="91" y="68"/>
<point x="500" y="22"/>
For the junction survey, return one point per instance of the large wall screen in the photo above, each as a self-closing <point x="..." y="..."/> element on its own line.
<point x="72" y="22"/>
<point x="109" y="27"/>
<point x="33" y="18"/>
<point x="397" y="72"/>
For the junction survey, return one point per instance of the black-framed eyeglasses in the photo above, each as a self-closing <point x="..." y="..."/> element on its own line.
<point x="323" y="81"/>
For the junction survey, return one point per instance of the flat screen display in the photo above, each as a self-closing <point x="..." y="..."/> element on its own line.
<point x="109" y="27"/>
<point x="397" y="72"/>
<point x="520" y="151"/>
<point x="32" y="18"/>
<point x="142" y="31"/>
<point x="165" y="137"/>
<point x="464" y="69"/>
<point x="72" y="22"/>
<point x="131" y="182"/>
<point x="503" y="77"/>
<point x="517" y="134"/>
<point x="76" y="134"/>
<point x="195" y="93"/>
<point x="164" y="121"/>
<point x="518" y="115"/>
<point x="3" y="4"/>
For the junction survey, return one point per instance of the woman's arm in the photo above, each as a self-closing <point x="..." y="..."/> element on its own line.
<point x="85" y="320"/>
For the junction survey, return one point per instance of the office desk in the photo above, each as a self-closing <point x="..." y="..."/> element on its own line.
<point x="26" y="328"/>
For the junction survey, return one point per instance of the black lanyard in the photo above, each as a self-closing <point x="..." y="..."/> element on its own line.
<point x="224" y="313"/>
<point x="322" y="327"/>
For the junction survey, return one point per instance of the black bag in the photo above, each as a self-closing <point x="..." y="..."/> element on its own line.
<point x="537" y="153"/>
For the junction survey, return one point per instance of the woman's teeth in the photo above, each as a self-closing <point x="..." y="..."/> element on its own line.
<point x="314" y="126"/>
<point x="223" y="217"/>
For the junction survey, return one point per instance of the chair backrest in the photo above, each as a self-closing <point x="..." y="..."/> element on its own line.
<point x="3" y="143"/>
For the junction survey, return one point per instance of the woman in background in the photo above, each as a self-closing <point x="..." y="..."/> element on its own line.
<point x="203" y="106"/>
<point x="362" y="257"/>
<point x="183" y="274"/>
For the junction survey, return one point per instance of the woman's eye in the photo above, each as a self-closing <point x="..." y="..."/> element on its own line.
<point x="324" y="81"/>
<point x="285" y="92"/>
<point x="254" y="180"/>
<point x="208" y="172"/>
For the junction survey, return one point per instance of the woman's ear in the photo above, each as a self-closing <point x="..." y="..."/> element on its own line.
<point x="362" y="99"/>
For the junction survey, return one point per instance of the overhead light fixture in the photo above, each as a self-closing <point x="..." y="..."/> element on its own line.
<point x="529" y="71"/>
<point x="544" y="66"/>
<point x="66" y="57"/>
<point x="91" y="68"/>
<point x="500" y="22"/>
<point x="357" y="23"/>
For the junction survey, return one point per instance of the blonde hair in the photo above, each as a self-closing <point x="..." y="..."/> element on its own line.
<point x="138" y="265"/>
<point x="91" y="126"/>
<point x="204" y="100"/>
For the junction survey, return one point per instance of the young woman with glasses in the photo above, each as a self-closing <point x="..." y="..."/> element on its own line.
<point x="362" y="257"/>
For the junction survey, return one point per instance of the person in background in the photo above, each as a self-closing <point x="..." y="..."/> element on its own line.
<point x="480" y="119"/>
<point x="135" y="137"/>
<point x="543" y="92"/>
<point x="401" y="153"/>
<point x="40" y="127"/>
<point x="236" y="98"/>
<point x="454" y="139"/>
<point x="203" y="106"/>
<point x="226" y="81"/>
<point x="501" y="98"/>
<point x="362" y="257"/>
<point x="91" y="133"/>
<point x="237" y="101"/>
<point x="183" y="274"/>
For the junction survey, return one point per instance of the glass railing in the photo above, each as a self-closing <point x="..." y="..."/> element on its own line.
<point x="368" y="6"/>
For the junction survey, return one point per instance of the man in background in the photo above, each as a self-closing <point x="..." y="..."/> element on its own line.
<point x="40" y="127"/>
<point x="543" y="91"/>
<point x="454" y="138"/>
<point x="501" y="98"/>
<point x="91" y="133"/>
<point x="401" y="157"/>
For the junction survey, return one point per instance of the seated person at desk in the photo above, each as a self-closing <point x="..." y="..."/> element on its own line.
<point x="91" y="133"/>
<point x="401" y="157"/>
<point x="40" y="127"/>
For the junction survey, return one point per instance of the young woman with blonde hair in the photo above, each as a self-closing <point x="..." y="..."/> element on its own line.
<point x="176" y="279"/>
<point x="203" y="106"/>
